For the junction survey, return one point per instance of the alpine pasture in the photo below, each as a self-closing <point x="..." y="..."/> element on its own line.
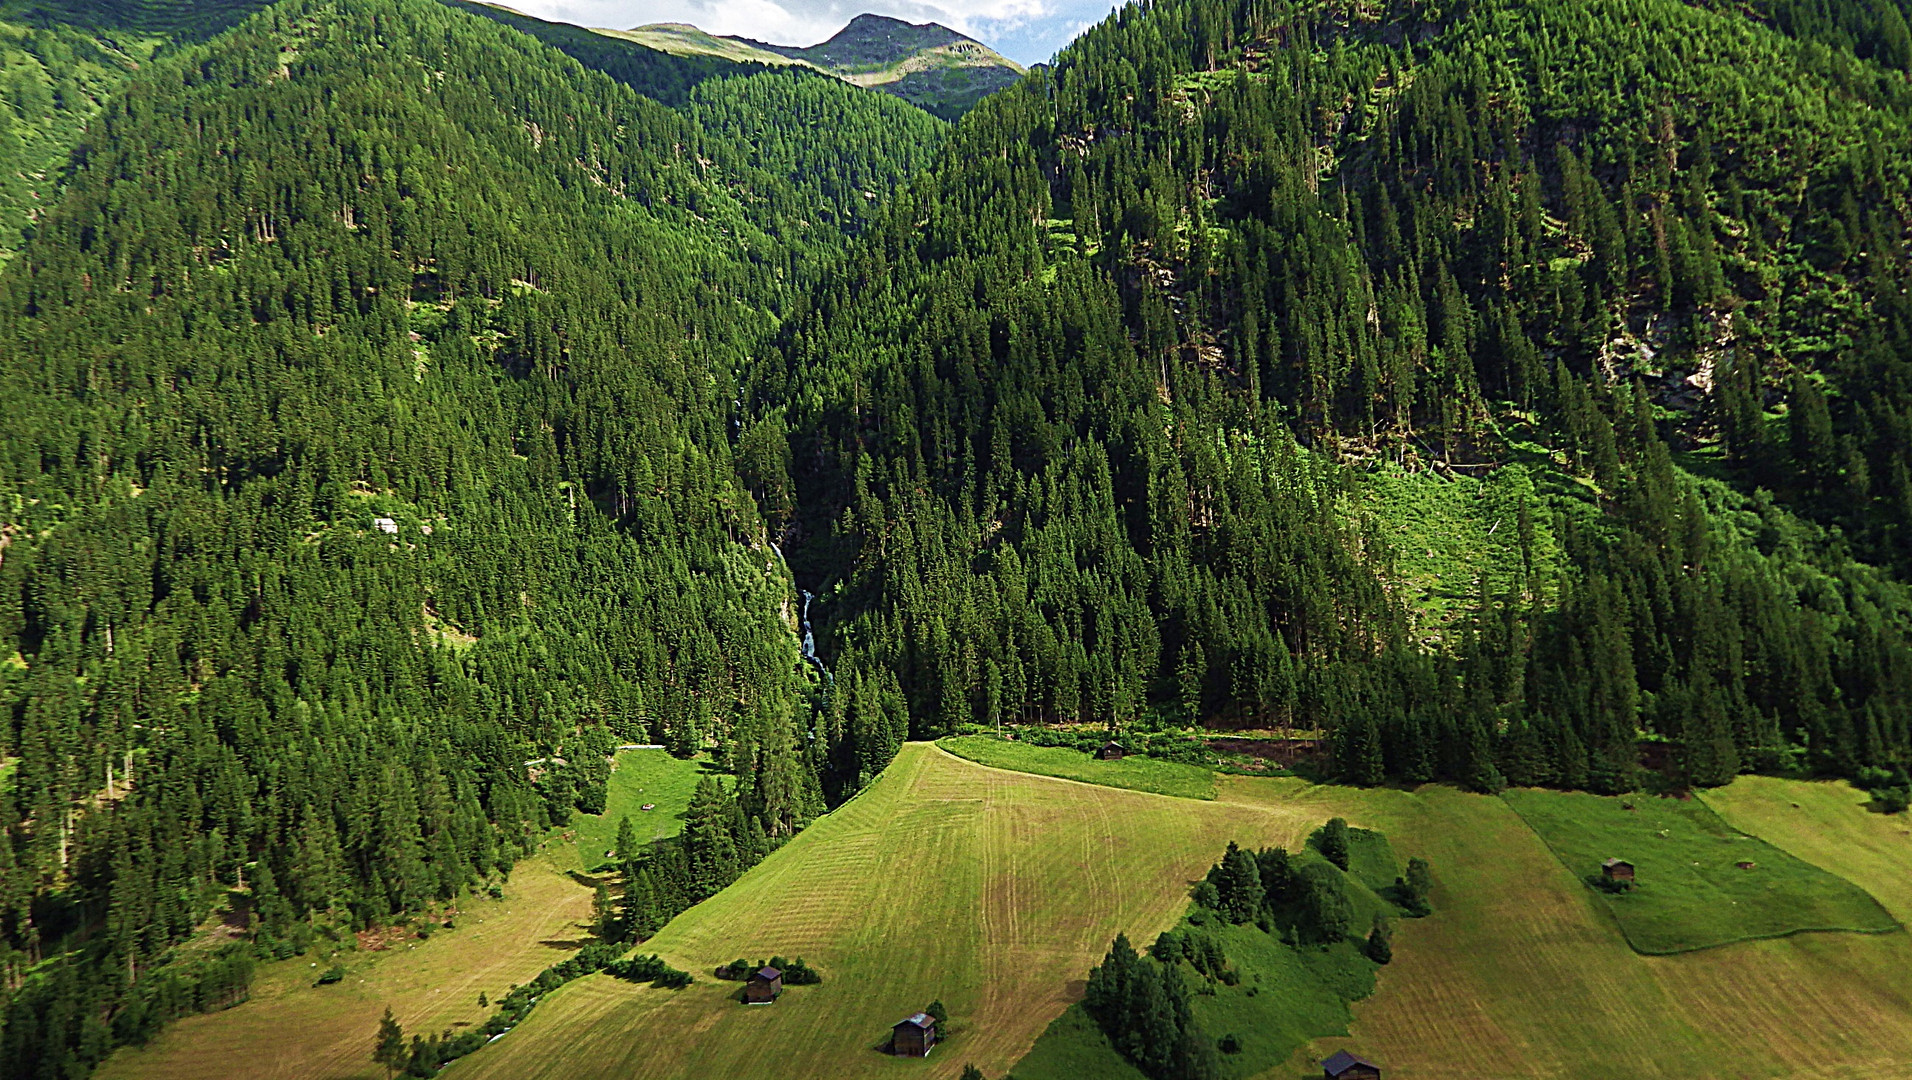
<point x="1523" y="971"/>
<point x="995" y="890"/>
<point x="294" y="1030"/>
<point x="991" y="890"/>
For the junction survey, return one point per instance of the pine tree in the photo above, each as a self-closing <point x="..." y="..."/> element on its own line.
<point x="1333" y="842"/>
<point x="388" y="1049"/>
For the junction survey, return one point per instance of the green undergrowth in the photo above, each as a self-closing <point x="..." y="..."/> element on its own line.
<point x="1134" y="773"/>
<point x="642" y="776"/>
<point x="1449" y="534"/>
<point x="1691" y="891"/>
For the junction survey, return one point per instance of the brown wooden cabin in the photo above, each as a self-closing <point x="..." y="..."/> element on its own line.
<point x="913" y="1036"/>
<point x="1111" y="751"/>
<point x="1346" y="1066"/>
<point x="763" y="986"/>
<point x="1617" y="870"/>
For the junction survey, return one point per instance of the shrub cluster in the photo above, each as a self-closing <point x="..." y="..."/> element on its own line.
<point x="1891" y="788"/>
<point x="795" y="972"/>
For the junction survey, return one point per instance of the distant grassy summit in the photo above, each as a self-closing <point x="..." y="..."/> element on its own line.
<point x="926" y="64"/>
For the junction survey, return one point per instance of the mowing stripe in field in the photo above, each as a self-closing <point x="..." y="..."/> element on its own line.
<point x="1522" y="974"/>
<point x="991" y="890"/>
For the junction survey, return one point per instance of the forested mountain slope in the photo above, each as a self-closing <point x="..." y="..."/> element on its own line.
<point x="1081" y="433"/>
<point x="59" y="61"/>
<point x="365" y="439"/>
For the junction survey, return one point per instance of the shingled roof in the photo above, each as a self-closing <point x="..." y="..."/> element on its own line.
<point x="1342" y="1061"/>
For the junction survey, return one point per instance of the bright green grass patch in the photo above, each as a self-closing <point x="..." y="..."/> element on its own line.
<point x="1072" y="1048"/>
<point x="1691" y="893"/>
<point x="641" y="776"/>
<point x="1135" y="773"/>
<point x="1287" y="997"/>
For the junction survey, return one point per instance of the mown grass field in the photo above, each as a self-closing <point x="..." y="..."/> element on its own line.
<point x="991" y="890"/>
<point x="1827" y="824"/>
<point x="996" y="892"/>
<point x="1522" y="974"/>
<point x="1134" y="773"/>
<point x="293" y="1030"/>
<point x="1691" y="892"/>
<point x="641" y="776"/>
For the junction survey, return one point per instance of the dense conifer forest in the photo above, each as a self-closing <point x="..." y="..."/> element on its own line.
<point x="403" y="405"/>
<point x="368" y="438"/>
<point x="1082" y="421"/>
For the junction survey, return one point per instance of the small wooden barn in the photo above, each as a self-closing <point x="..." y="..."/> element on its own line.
<point x="1617" y="870"/>
<point x="1111" y="751"/>
<point x="913" y="1036"/>
<point x="1346" y="1066"/>
<point x="763" y="986"/>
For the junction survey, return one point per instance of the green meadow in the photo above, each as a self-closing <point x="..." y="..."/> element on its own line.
<point x="1692" y="891"/>
<point x="1136" y="773"/>
<point x="641" y="777"/>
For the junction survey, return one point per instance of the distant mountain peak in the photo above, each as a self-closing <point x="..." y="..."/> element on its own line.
<point x="927" y="64"/>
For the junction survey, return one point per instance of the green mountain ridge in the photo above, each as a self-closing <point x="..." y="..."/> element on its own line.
<point x="928" y="65"/>
<point x="428" y="356"/>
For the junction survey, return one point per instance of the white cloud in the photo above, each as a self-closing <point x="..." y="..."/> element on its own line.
<point x="1026" y="30"/>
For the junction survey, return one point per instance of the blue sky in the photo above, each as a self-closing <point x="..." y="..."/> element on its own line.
<point x="1027" y="31"/>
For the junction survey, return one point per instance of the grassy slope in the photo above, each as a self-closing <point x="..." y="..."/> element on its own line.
<point x="641" y="776"/>
<point x="1522" y="974"/>
<point x="1691" y="894"/>
<point x="1133" y="773"/>
<point x="992" y="890"/>
<point x="1828" y="825"/>
<point x="292" y="1030"/>
<point x="1023" y="881"/>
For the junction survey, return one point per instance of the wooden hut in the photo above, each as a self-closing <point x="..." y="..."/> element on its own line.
<point x="913" y="1036"/>
<point x="1346" y="1066"/>
<point x="763" y="986"/>
<point x="1617" y="870"/>
<point x="1111" y="751"/>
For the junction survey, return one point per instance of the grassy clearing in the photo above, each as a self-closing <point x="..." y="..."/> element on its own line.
<point x="1827" y="824"/>
<point x="293" y="1030"/>
<point x="1691" y="892"/>
<point x="992" y="890"/>
<point x="1522" y="974"/>
<point x="641" y="776"/>
<point x="1134" y="773"/>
